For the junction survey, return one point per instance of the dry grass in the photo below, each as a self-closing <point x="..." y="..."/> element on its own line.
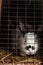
<point x="9" y="59"/>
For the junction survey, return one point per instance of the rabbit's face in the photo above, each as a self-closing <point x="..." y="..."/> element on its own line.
<point x="29" y="44"/>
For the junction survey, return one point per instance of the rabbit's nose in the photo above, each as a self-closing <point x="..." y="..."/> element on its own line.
<point x="27" y="47"/>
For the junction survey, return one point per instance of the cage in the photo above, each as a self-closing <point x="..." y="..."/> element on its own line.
<point x="19" y="18"/>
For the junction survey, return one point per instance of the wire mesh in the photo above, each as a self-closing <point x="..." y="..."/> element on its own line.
<point x="19" y="17"/>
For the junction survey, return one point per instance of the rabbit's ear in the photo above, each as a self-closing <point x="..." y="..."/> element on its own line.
<point x="40" y="28"/>
<point x="21" y="26"/>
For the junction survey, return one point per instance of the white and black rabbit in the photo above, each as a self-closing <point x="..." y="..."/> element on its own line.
<point x="29" y="42"/>
<point x="23" y="39"/>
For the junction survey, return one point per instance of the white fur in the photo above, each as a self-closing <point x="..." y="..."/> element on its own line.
<point x="30" y="39"/>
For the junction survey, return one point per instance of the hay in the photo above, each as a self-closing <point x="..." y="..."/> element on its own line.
<point x="10" y="59"/>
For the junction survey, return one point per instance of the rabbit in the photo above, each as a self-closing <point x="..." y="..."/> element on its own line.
<point x="23" y="39"/>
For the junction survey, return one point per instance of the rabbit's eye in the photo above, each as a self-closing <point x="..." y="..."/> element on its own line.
<point x="29" y="46"/>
